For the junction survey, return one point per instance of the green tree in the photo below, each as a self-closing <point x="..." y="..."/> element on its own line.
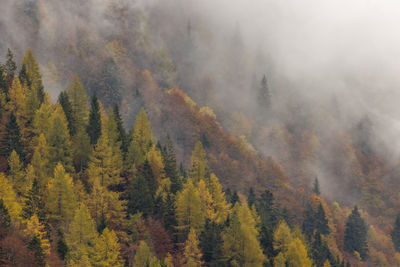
<point x="34" y="203"/>
<point x="251" y="198"/>
<point x="316" y="188"/>
<point x="35" y="245"/>
<point x="63" y="100"/>
<point x="396" y="233"/>
<point x="355" y="235"/>
<point x="12" y="140"/>
<point x="122" y="136"/>
<point x="170" y="166"/>
<point x="10" y="67"/>
<point x="79" y="102"/>
<point x="264" y="94"/>
<point x="94" y="127"/>
<point x="5" y="220"/>
<point x="211" y="243"/>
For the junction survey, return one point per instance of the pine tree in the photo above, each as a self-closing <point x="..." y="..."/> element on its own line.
<point x="189" y="214"/>
<point x="264" y="95"/>
<point x="94" y="127"/>
<point x="34" y="203"/>
<point x="35" y="246"/>
<point x="241" y="245"/>
<point x="33" y="73"/>
<point x="17" y="175"/>
<point x="396" y="233"/>
<point x="144" y="257"/>
<point x="107" y="250"/>
<point x="316" y="189"/>
<point x="10" y="67"/>
<point x="170" y="166"/>
<point x="320" y="250"/>
<point x="192" y="254"/>
<point x="211" y="243"/>
<point x="12" y="139"/>
<point x="355" y="235"/>
<point x="122" y="136"/>
<point x="309" y="223"/>
<point x="61" y="199"/>
<point x="63" y="100"/>
<point x="79" y="102"/>
<point x="81" y="236"/>
<point x="59" y="141"/>
<point x="251" y="198"/>
<point x="321" y="222"/>
<point x="198" y="169"/>
<point x="5" y="220"/>
<point x="142" y="140"/>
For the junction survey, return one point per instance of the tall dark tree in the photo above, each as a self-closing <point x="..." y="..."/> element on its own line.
<point x="3" y="80"/>
<point x="170" y="166"/>
<point x="309" y="221"/>
<point x="211" y="244"/>
<point x="264" y="94"/>
<point x="65" y="103"/>
<point x="355" y="235"/>
<point x="396" y="234"/>
<point x="12" y="139"/>
<point x="34" y="203"/>
<point x="23" y="76"/>
<point x="122" y="136"/>
<point x="321" y="222"/>
<point x="10" y="68"/>
<point x="267" y="210"/>
<point x="5" y="220"/>
<point x="94" y="127"/>
<point x="35" y="245"/>
<point x="251" y="198"/>
<point x="316" y="188"/>
<point x="320" y="251"/>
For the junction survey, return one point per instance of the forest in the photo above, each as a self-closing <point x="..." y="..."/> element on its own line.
<point x="147" y="134"/>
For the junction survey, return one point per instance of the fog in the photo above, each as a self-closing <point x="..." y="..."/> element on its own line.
<point x="339" y="59"/>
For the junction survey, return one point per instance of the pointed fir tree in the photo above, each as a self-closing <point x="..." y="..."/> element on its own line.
<point x="316" y="188"/>
<point x="170" y="166"/>
<point x="211" y="244"/>
<point x="12" y="140"/>
<point x="79" y="102"/>
<point x="251" y="198"/>
<point x="321" y="222"/>
<point x="94" y="127"/>
<point x="5" y="220"/>
<point x="396" y="233"/>
<point x="63" y="100"/>
<point x="34" y="203"/>
<point x="122" y="136"/>
<point x="264" y="95"/>
<point x="10" y="67"/>
<point x="35" y="245"/>
<point x="355" y="235"/>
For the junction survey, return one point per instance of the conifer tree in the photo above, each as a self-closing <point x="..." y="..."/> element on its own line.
<point x="251" y="198"/>
<point x="220" y="206"/>
<point x="79" y="102"/>
<point x="198" y="169"/>
<point x="142" y="140"/>
<point x="241" y="245"/>
<point x="264" y="94"/>
<point x="33" y="73"/>
<point x="12" y="140"/>
<point x="34" y="203"/>
<point x="40" y="161"/>
<point x="63" y="100"/>
<point x="81" y="236"/>
<point x="122" y="136"/>
<point x="211" y="243"/>
<point x="355" y="235"/>
<point x="9" y="197"/>
<point x="17" y="100"/>
<point x="34" y="228"/>
<point x="35" y="246"/>
<point x="10" y="67"/>
<point x="170" y="166"/>
<point x="94" y="127"/>
<point x="316" y="189"/>
<point x="144" y="257"/>
<point x="17" y="175"/>
<point x="189" y="214"/>
<point x="296" y="254"/>
<point x="61" y="200"/>
<point x="81" y="150"/>
<point x="5" y="220"/>
<point x="192" y="254"/>
<point x="396" y="233"/>
<point x="59" y="141"/>
<point x="107" y="250"/>
<point x="321" y="222"/>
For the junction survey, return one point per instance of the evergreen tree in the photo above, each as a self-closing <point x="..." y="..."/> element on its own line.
<point x="5" y="220"/>
<point x="234" y="198"/>
<point x="12" y="139"/>
<point x="33" y="73"/>
<point x="309" y="223"/>
<point x="35" y="245"/>
<point x="251" y="198"/>
<point x="79" y="102"/>
<point x="23" y="76"/>
<point x="63" y="100"/>
<point x="396" y="233"/>
<point x="81" y="150"/>
<point x="264" y="94"/>
<point x="34" y="203"/>
<point x="10" y="67"/>
<point x="170" y="166"/>
<point x="355" y="235"/>
<point x="62" y="247"/>
<point x="320" y="250"/>
<point x="321" y="222"/>
<point x="94" y="127"/>
<point x="122" y="136"/>
<point x="211" y="244"/>
<point x="3" y="84"/>
<point x="316" y="189"/>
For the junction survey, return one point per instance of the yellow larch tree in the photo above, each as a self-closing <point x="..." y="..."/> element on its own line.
<point x="16" y="174"/>
<point x="35" y="228"/>
<point x="192" y="254"/>
<point x="144" y="256"/>
<point x="10" y="198"/>
<point x="221" y="207"/>
<point x="198" y="165"/>
<point x="106" y="250"/>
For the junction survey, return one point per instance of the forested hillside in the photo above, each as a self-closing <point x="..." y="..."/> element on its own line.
<point x="137" y="135"/>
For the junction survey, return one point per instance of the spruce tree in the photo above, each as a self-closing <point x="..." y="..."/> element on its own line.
<point x="396" y="234"/>
<point x="316" y="189"/>
<point x="211" y="243"/>
<point x="10" y="67"/>
<point x="264" y="94"/>
<point x="94" y="127"/>
<point x="12" y="139"/>
<point x="35" y="245"/>
<point x="65" y="103"/>
<point x="5" y="220"/>
<point x="170" y="166"/>
<point x="355" y="235"/>
<point x="321" y="223"/>
<point x="251" y="198"/>
<point x="122" y="136"/>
